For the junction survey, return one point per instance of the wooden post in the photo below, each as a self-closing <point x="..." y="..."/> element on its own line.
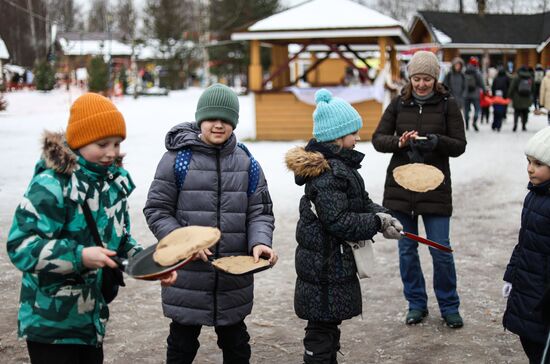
<point x="279" y="58"/>
<point x="313" y="77"/>
<point x="544" y="57"/>
<point x="255" y="68"/>
<point x="532" y="58"/>
<point x="382" y="44"/>
<point x="394" y="64"/>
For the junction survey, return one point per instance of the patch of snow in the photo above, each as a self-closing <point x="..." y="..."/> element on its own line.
<point x="441" y="37"/>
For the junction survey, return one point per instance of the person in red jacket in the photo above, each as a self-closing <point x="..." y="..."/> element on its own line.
<point x="485" y="102"/>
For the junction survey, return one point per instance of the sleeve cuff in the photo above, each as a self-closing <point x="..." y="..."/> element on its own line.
<point x="78" y="266"/>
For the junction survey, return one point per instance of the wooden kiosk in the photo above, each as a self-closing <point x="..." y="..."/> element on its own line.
<point x="322" y="28"/>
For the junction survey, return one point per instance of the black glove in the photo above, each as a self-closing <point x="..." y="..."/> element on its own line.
<point x="415" y="155"/>
<point x="427" y="145"/>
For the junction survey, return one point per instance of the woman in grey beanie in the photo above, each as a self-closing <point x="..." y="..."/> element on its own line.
<point x="424" y="109"/>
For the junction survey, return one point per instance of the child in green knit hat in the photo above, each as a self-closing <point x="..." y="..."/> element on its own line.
<point x="206" y="178"/>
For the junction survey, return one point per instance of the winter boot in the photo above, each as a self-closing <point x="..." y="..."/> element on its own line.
<point x="415" y="316"/>
<point x="453" y="320"/>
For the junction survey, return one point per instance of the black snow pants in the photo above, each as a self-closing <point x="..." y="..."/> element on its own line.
<point x="322" y="342"/>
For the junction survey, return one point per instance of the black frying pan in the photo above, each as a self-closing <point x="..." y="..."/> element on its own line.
<point x="143" y="266"/>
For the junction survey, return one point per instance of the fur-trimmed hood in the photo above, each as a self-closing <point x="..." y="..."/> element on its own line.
<point x="56" y="153"/>
<point x="306" y="164"/>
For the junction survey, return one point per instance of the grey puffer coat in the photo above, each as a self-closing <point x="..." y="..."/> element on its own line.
<point x="327" y="287"/>
<point x="214" y="193"/>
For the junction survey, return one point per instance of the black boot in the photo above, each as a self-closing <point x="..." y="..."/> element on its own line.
<point x="475" y="126"/>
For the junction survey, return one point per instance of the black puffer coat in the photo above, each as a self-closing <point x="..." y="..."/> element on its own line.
<point x="327" y="287"/>
<point x="529" y="268"/>
<point x="441" y="116"/>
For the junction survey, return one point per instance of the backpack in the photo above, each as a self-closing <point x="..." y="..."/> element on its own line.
<point x="183" y="159"/>
<point x="471" y="82"/>
<point x="524" y="87"/>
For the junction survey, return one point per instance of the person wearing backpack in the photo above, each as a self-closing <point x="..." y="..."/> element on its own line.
<point x="206" y="178"/>
<point x="521" y="92"/>
<point x="474" y="84"/>
<point x="456" y="82"/>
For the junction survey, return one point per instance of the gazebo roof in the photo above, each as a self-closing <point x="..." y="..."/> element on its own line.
<point x="4" y="54"/>
<point x="325" y="19"/>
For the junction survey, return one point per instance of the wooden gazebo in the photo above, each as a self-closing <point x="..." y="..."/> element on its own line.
<point x="338" y="27"/>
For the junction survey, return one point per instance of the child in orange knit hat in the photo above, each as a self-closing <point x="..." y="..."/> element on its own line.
<point x="63" y="312"/>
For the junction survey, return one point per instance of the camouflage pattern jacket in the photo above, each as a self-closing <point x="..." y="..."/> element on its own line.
<point x="61" y="301"/>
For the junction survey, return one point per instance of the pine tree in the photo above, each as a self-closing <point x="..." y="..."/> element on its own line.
<point x="45" y="76"/>
<point x="99" y="75"/>
<point x="226" y="16"/>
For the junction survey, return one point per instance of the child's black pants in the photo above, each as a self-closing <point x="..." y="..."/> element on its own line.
<point x="41" y="353"/>
<point x="322" y="342"/>
<point x="183" y="343"/>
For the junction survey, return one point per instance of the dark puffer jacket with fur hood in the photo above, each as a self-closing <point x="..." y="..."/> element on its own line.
<point x="327" y="287"/>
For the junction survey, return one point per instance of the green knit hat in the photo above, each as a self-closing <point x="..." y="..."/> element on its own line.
<point x="218" y="102"/>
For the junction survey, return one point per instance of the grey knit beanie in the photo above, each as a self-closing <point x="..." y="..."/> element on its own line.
<point x="218" y="102"/>
<point x="539" y="146"/>
<point x="424" y="62"/>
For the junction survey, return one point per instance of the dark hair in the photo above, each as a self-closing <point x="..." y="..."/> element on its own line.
<point x="406" y="92"/>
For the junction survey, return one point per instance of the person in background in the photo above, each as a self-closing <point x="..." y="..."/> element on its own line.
<point x="485" y="102"/>
<point x="501" y="83"/>
<point x="474" y="84"/>
<point x="499" y="110"/>
<point x="456" y="82"/>
<point x="538" y="76"/>
<point x="424" y="108"/>
<point x="544" y="94"/>
<point x="521" y="92"/>
<point x="526" y="278"/>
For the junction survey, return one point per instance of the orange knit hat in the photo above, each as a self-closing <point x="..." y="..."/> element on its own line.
<point x="93" y="117"/>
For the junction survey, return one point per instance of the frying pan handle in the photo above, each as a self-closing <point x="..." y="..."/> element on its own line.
<point x="122" y="263"/>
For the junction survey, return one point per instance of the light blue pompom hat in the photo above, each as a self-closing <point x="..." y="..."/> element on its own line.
<point x="333" y="117"/>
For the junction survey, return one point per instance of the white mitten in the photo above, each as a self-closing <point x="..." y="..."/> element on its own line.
<point x="506" y="288"/>
<point x="391" y="233"/>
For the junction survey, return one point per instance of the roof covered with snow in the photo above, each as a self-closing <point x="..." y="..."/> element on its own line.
<point x="514" y="30"/>
<point x="325" y="19"/>
<point x="4" y="54"/>
<point x="94" y="47"/>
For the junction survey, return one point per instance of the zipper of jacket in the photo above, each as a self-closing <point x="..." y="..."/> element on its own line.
<point x="413" y="194"/>
<point x="218" y="223"/>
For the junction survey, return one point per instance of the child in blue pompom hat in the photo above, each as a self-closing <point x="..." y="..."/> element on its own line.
<point x="334" y="210"/>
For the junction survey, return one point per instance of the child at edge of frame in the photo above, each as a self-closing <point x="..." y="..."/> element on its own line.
<point x="205" y="178"/>
<point x="62" y="311"/>
<point x="526" y="283"/>
<point x="334" y="210"/>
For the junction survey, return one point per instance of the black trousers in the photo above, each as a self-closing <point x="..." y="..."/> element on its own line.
<point x="533" y="350"/>
<point x="523" y="114"/>
<point x="322" y="342"/>
<point x="41" y="353"/>
<point x="183" y="343"/>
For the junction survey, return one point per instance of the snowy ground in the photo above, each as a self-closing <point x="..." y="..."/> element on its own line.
<point x="489" y="183"/>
